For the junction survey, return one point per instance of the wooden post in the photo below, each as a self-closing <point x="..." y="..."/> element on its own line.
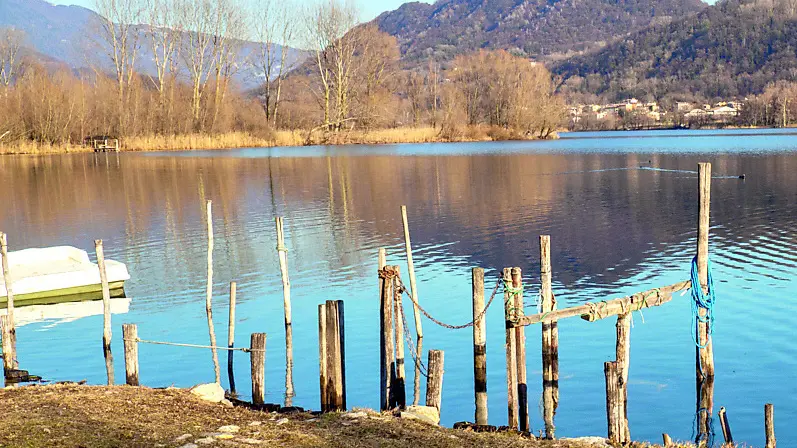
<point x="511" y="354"/>
<point x="623" y="352"/>
<point x="9" y="351"/>
<point x="613" y="398"/>
<point x="479" y="347"/>
<point x="414" y="292"/>
<point x="704" y="355"/>
<point x="769" y="425"/>
<point x="10" y="331"/>
<point x="209" y="295"/>
<point x="130" y="339"/>
<point x="667" y="440"/>
<point x="282" y="251"/>
<point x="336" y="356"/>
<point x="322" y="355"/>
<point x="520" y="353"/>
<point x="257" y="355"/>
<point x="398" y="387"/>
<point x="231" y="336"/>
<point x="550" y="341"/>
<point x="434" y="382"/>
<point x="106" y="311"/>
<point x="382" y="258"/>
<point x="387" y="364"/>
<point x="726" y="427"/>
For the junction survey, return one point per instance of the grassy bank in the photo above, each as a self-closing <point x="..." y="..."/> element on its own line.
<point x="72" y="416"/>
<point x="278" y="138"/>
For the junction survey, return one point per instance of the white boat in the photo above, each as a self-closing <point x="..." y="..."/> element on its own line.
<point x="57" y="275"/>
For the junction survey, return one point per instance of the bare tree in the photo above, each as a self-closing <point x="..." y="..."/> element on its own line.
<point x="274" y="28"/>
<point x="10" y="43"/>
<point x="164" y="34"/>
<point x="228" y="29"/>
<point x="197" y="18"/>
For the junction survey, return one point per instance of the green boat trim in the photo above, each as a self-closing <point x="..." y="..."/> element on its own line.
<point x="74" y="294"/>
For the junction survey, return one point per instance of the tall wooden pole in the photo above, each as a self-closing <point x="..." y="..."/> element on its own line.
<point x="414" y="291"/>
<point x="209" y="295"/>
<point x="704" y="353"/>
<point x="520" y="353"/>
<point x="479" y="347"/>
<point x="106" y="311"/>
<point x="511" y="354"/>
<point x="231" y="336"/>
<point x="386" y="350"/>
<point x="550" y="341"/>
<point x="11" y="331"/>
<point x="286" y="303"/>
<point x="623" y="352"/>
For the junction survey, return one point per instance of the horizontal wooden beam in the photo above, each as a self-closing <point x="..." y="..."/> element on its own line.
<point x="600" y="310"/>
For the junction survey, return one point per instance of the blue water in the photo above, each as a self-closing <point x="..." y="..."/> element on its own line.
<point x="621" y="209"/>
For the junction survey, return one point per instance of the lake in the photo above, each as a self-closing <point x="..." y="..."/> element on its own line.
<point x="621" y="209"/>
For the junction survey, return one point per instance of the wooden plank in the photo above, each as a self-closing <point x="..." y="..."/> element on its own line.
<point x="434" y="383"/>
<point x="511" y="356"/>
<point x="769" y="425"/>
<point x="106" y="311"/>
<point x="548" y="342"/>
<point x="258" y="360"/>
<point x="130" y="339"/>
<point x="231" y="335"/>
<point x="479" y="347"/>
<point x="520" y="353"/>
<point x="416" y="311"/>
<point x="282" y="252"/>
<point x="600" y="310"/>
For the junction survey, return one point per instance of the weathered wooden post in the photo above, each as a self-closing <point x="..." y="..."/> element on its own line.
<point x="209" y="295"/>
<point x="398" y="387"/>
<point x="414" y="292"/>
<point x="769" y="425"/>
<point x="257" y="356"/>
<point x="386" y="350"/>
<point x="231" y="336"/>
<point x="9" y="328"/>
<point x="726" y="426"/>
<point x="623" y="353"/>
<point x="282" y="251"/>
<point x="434" y="381"/>
<point x="705" y="352"/>
<point x="613" y="398"/>
<point x="511" y="352"/>
<point x="336" y="356"/>
<point x="106" y="311"/>
<point x="520" y="352"/>
<point x="667" y="440"/>
<point x="479" y="347"/>
<point x="130" y="339"/>
<point x="550" y="341"/>
<point x="322" y="355"/>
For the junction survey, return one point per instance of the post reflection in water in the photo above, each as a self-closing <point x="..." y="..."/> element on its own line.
<point x="612" y="233"/>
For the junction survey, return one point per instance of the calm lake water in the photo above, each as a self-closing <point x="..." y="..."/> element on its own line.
<point x="615" y="229"/>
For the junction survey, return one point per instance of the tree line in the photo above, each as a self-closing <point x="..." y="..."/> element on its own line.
<point x="175" y="67"/>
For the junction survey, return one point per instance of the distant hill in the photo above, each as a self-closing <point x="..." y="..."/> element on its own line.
<point x="731" y="49"/>
<point x="549" y="29"/>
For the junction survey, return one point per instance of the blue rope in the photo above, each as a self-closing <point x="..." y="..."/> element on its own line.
<point x="704" y="301"/>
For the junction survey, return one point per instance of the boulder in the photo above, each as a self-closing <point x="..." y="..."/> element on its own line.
<point x="597" y="442"/>
<point x="211" y="392"/>
<point x="426" y="414"/>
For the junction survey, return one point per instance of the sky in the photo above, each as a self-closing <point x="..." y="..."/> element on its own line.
<point x="369" y="8"/>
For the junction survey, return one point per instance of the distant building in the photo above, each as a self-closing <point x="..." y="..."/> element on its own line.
<point x="682" y="106"/>
<point x="697" y="114"/>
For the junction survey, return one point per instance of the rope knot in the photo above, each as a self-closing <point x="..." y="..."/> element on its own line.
<point x="387" y="273"/>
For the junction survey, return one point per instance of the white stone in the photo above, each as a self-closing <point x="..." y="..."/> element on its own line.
<point x="426" y="414"/>
<point x="598" y="442"/>
<point x="229" y="429"/>
<point x="255" y="423"/>
<point x="211" y="392"/>
<point x="249" y="441"/>
<point x="282" y="421"/>
<point x="205" y="441"/>
<point x="189" y="445"/>
<point x="227" y="403"/>
<point x="359" y="414"/>
<point x="183" y="438"/>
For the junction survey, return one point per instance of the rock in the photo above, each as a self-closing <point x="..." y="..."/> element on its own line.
<point x="211" y="392"/>
<point x="189" y="445"/>
<point x="227" y="403"/>
<point x="282" y="421"/>
<point x="183" y="438"/>
<point x="255" y="423"/>
<point x="229" y="429"/>
<point x="225" y="436"/>
<point x="205" y="441"/>
<point x="598" y="442"/>
<point x="426" y="414"/>
<point x="250" y="441"/>
<point x="359" y="414"/>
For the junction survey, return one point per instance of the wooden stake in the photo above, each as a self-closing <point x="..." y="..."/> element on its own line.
<point x="398" y="388"/>
<point x="322" y="355"/>
<point x="769" y="425"/>
<point x="434" y="383"/>
<point x="479" y="347"/>
<point x="704" y="355"/>
<point x="726" y="427"/>
<point x="257" y="355"/>
<point x="106" y="311"/>
<point x="386" y="350"/>
<point x="414" y="291"/>
<point x="130" y="339"/>
<point x="623" y="351"/>
<point x="511" y="355"/>
<point x="286" y="303"/>
<point x="613" y="397"/>
<point x="336" y="356"/>
<point x="382" y="258"/>
<point x="550" y="341"/>
<point x="10" y="333"/>
<point x="209" y="295"/>
<point x="520" y="353"/>
<point x="9" y="351"/>
<point x="231" y="336"/>
<point x="667" y="440"/>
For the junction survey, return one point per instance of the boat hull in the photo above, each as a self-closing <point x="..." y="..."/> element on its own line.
<point x="73" y="294"/>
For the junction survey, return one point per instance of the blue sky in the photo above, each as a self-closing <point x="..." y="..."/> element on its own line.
<point x="369" y="8"/>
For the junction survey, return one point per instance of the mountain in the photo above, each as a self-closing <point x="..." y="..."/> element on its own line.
<point x="551" y="29"/>
<point x="732" y="49"/>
